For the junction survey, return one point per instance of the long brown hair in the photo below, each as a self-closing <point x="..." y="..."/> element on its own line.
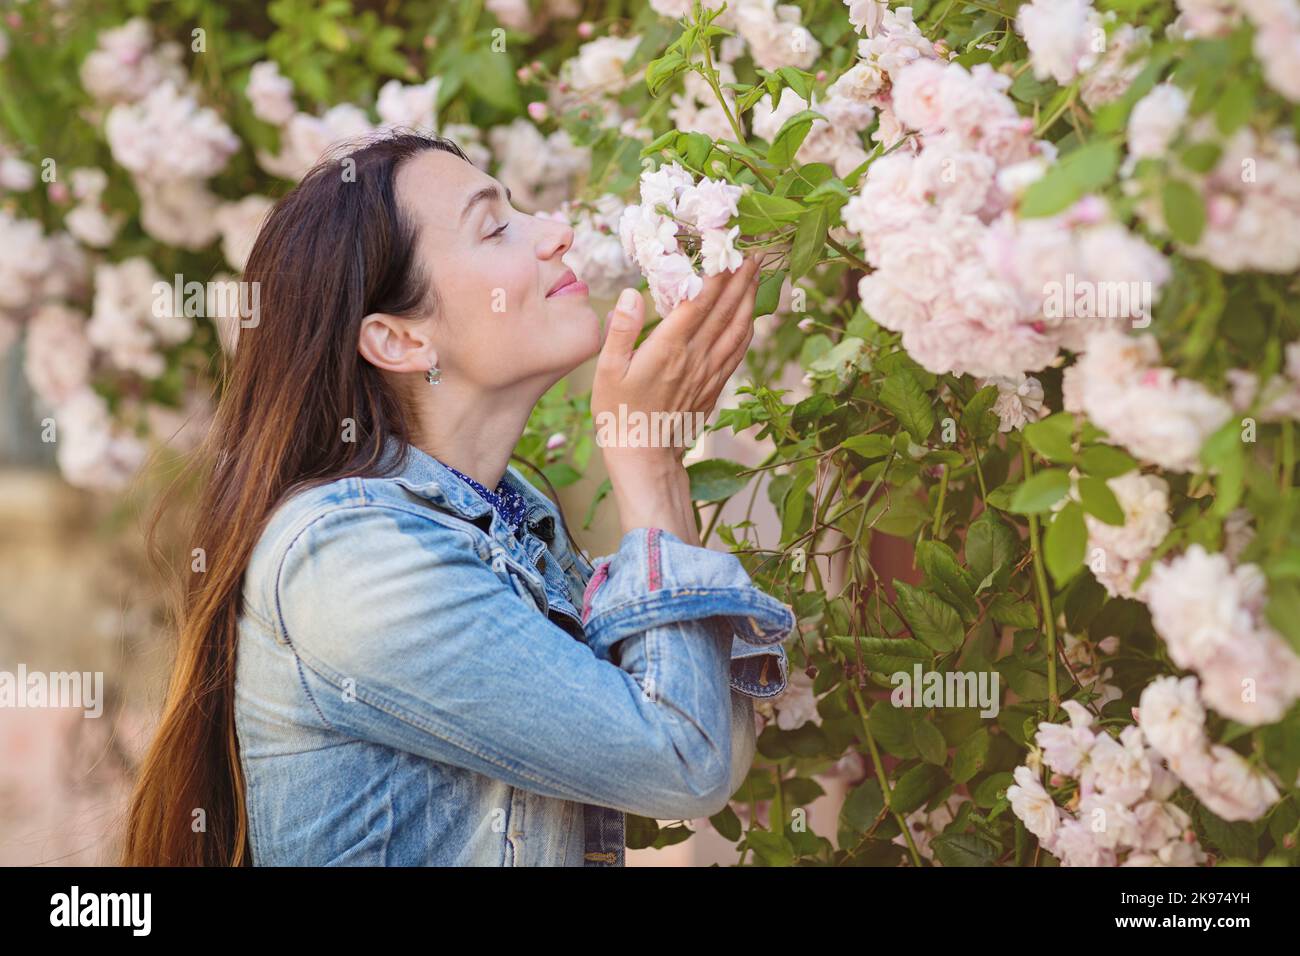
<point x="334" y="249"/>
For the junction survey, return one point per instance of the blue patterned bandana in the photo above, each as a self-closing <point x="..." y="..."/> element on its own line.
<point x="509" y="504"/>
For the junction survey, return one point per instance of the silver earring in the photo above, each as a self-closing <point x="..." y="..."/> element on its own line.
<point x="434" y="375"/>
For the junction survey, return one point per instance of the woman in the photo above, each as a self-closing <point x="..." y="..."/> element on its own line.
<point x="383" y="662"/>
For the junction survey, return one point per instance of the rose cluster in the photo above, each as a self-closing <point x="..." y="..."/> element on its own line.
<point x="1120" y="809"/>
<point x="677" y="221"/>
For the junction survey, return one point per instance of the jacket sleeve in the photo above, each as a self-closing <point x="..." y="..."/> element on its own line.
<point x="408" y="638"/>
<point x="759" y="666"/>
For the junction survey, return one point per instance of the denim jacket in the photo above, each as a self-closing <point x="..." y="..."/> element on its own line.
<point x="415" y="685"/>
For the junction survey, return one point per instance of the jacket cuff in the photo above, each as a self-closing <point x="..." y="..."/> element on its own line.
<point x="758" y="671"/>
<point x="656" y="578"/>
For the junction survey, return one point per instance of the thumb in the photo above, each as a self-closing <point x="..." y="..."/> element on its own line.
<point x="622" y="326"/>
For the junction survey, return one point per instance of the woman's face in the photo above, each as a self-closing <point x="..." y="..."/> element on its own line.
<point x="510" y="310"/>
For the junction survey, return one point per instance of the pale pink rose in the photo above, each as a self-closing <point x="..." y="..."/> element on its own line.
<point x="1066" y="746"/>
<point x="1172" y="718"/>
<point x="710" y="204"/>
<point x="1032" y="804"/>
<point x="413" y="106"/>
<point x="1155" y="121"/>
<point x="916" y="95"/>
<point x="718" y="251"/>
<point x="672" y="280"/>
<point x="58" y="356"/>
<point x="269" y="93"/>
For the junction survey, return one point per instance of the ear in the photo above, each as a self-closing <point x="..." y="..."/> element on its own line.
<point x="396" y="344"/>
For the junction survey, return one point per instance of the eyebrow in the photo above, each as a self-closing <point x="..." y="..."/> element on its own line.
<point x="486" y="194"/>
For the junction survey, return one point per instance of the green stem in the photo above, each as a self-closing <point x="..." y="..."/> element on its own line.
<point x="1288" y="458"/>
<point x="938" y="508"/>
<point x="712" y="77"/>
<point x="777" y="815"/>
<point x="979" y="469"/>
<point x="987" y="8"/>
<point x="839" y="247"/>
<point x="1044" y="595"/>
<point x="884" y="780"/>
<point x="1060" y="111"/>
<point x="713" y="519"/>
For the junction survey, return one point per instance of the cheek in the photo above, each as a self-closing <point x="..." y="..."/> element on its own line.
<point x="505" y="281"/>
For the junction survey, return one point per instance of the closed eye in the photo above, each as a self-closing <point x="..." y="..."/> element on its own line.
<point x="498" y="231"/>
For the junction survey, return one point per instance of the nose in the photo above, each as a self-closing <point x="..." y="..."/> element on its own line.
<point x="554" y="238"/>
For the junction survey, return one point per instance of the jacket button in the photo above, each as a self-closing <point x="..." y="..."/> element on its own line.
<point x="541" y="563"/>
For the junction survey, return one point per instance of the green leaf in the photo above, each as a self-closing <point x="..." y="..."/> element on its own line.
<point x="929" y="742"/>
<point x="1283" y="610"/>
<point x="971" y="756"/>
<point x="671" y="836"/>
<point x="727" y="823"/>
<point x="948" y="579"/>
<point x="861" y="808"/>
<point x="716" y="479"/>
<point x="1052" y="437"/>
<point x="986" y="791"/>
<point x="1225" y="454"/>
<point x="660" y="71"/>
<point x="990" y="545"/>
<point x="769" y="293"/>
<point x="694" y="147"/>
<point x="1184" y="211"/>
<point x="917" y="786"/>
<point x="1099" y="501"/>
<point x="492" y="77"/>
<point x="1236" y="839"/>
<point x="965" y="849"/>
<point x="1281" y="745"/>
<point x="1012" y="611"/>
<point x="797" y="80"/>
<point x="1103" y="461"/>
<point x="899" y="515"/>
<point x="892" y="728"/>
<point x="809" y="240"/>
<point x="977" y="417"/>
<point x="1002" y="496"/>
<point x="1040" y="492"/>
<point x="1028" y="684"/>
<point x="1085" y="170"/>
<point x="771" y="849"/>
<point x="640" y="832"/>
<point x="869" y="446"/>
<point x="1235" y="106"/>
<point x="796" y="500"/>
<point x="763" y="212"/>
<point x="790" y="137"/>
<point x="933" y="622"/>
<point x="1202" y="157"/>
<point x="1065" y="543"/>
<point x="902" y="394"/>
<point x="832" y="192"/>
<point x="884" y="655"/>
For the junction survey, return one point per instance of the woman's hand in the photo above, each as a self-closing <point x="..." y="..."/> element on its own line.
<point x="680" y="369"/>
<point x="682" y="366"/>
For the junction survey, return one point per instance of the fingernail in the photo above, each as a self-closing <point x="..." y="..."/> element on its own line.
<point x="627" y="300"/>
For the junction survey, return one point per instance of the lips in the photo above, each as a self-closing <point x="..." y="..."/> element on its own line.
<point x="568" y="284"/>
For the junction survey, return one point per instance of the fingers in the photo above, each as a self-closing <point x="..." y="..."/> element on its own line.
<point x="742" y="280"/>
<point x="622" y="326"/>
<point x="683" y="321"/>
<point x="729" y="351"/>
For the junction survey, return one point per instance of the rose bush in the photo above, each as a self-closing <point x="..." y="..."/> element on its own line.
<point x="1038" y="264"/>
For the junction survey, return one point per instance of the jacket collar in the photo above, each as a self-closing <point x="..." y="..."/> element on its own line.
<point x="424" y="475"/>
